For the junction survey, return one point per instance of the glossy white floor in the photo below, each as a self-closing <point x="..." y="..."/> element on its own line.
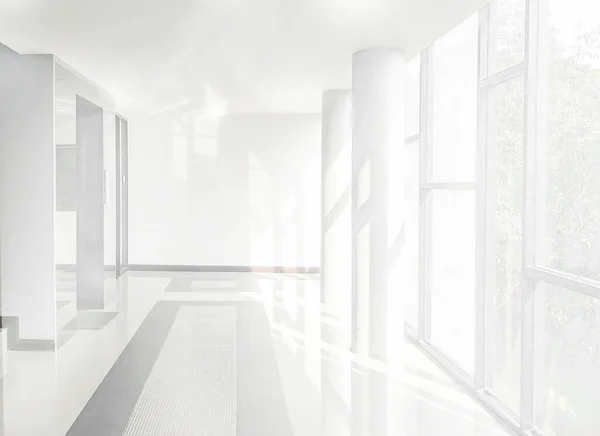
<point x="325" y="387"/>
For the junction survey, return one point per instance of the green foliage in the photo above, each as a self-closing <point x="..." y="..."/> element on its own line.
<point x="573" y="157"/>
<point x="569" y="208"/>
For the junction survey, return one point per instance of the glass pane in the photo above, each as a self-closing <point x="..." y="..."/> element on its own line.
<point x="411" y="259"/>
<point x="66" y="178"/>
<point x="455" y="104"/>
<point x="507" y="34"/>
<point x="572" y="204"/>
<point x="412" y="96"/>
<point x="65" y="128"/>
<point x="568" y="354"/>
<point x="505" y="124"/>
<point x="452" y="278"/>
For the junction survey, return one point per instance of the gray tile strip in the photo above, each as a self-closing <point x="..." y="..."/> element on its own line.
<point x="107" y="412"/>
<point x="261" y="405"/>
<point x="69" y="267"/>
<point x="262" y="408"/>
<point x="191" y="390"/>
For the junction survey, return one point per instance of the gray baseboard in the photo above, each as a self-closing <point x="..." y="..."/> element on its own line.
<point x="226" y="269"/>
<point x="71" y="267"/>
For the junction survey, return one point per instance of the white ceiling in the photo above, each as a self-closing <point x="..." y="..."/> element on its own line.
<point x="222" y="55"/>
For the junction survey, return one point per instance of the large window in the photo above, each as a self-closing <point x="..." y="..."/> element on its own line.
<point x="505" y="127"/>
<point x="452" y="274"/>
<point x="567" y="387"/>
<point x="410" y="272"/>
<point x="571" y="227"/>
<point x="412" y="96"/>
<point x="409" y="261"/>
<point x="567" y="315"/>
<point x="506" y="34"/>
<point x="509" y="211"/>
<point x="448" y="194"/>
<point x="455" y="104"/>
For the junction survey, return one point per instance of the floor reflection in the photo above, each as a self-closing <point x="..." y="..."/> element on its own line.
<point x="295" y="373"/>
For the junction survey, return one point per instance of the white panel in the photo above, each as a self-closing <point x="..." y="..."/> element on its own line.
<point x="27" y="202"/>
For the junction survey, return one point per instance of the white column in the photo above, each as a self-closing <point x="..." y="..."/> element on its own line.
<point x="336" y="263"/>
<point x="336" y="151"/>
<point x="377" y="222"/>
<point x="378" y="192"/>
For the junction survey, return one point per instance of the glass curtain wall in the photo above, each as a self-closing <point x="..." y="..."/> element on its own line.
<point x="505" y="207"/>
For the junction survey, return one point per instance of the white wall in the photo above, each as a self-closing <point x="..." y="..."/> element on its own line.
<point x="238" y="190"/>
<point x="27" y="193"/>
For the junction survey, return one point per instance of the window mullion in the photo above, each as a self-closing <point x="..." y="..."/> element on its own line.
<point x="530" y="166"/>
<point x="425" y="169"/>
<point x="481" y="188"/>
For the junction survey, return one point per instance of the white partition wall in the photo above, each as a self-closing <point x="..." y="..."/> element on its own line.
<point x="27" y="168"/>
<point x="90" y="206"/>
<point x="37" y="114"/>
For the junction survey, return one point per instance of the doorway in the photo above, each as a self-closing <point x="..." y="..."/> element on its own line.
<point x="122" y="144"/>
